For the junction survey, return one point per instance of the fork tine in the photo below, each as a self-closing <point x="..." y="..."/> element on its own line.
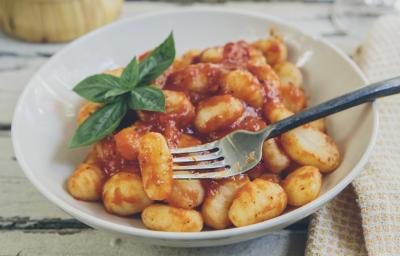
<point x="198" y="158"/>
<point x="179" y="175"/>
<point x="212" y="165"/>
<point x="204" y="147"/>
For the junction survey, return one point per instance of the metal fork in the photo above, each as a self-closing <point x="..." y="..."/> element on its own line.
<point x="241" y="150"/>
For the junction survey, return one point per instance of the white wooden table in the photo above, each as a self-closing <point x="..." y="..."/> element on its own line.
<point x="31" y="225"/>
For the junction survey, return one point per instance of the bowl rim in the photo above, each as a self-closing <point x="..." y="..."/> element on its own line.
<point x="202" y="235"/>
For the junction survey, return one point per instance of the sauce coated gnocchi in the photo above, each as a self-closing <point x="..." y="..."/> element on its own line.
<point x="210" y="93"/>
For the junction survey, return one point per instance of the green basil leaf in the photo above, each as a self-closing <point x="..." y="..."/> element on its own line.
<point x="130" y="75"/>
<point x="157" y="61"/>
<point x="101" y="123"/>
<point x="147" y="98"/>
<point x="94" y="88"/>
<point x="116" y="92"/>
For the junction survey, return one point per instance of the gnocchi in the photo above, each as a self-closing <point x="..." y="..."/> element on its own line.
<point x="219" y="199"/>
<point x="264" y="73"/>
<point x="127" y="140"/>
<point x="257" y="57"/>
<point x="289" y="74"/>
<point x="274" y="49"/>
<point x="179" y="110"/>
<point x="293" y="97"/>
<point x="243" y="85"/>
<point x="275" y="113"/>
<point x="302" y="185"/>
<point x="217" y="113"/>
<point x="210" y="93"/>
<point x="318" y="124"/>
<point x="257" y="201"/>
<point x="155" y="162"/>
<point x="212" y="55"/>
<point x="274" y="157"/>
<point x="86" y="182"/>
<point x="167" y="218"/>
<point x="309" y="146"/>
<point x="123" y="194"/>
<point x="199" y="78"/>
<point x="188" y="58"/>
<point x="187" y="194"/>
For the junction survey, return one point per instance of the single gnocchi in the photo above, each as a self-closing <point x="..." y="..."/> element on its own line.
<point x="167" y="218"/>
<point x="302" y="185"/>
<point x="257" y="201"/>
<point x="179" y="109"/>
<point x="309" y="146"/>
<point x="289" y="74"/>
<point x="275" y="159"/>
<point x="217" y="113"/>
<point x="293" y="97"/>
<point x="243" y="85"/>
<point x="187" y="194"/>
<point x="257" y="57"/>
<point x="127" y="140"/>
<point x="212" y="55"/>
<point x="264" y="73"/>
<point x="86" y="182"/>
<point x="319" y="124"/>
<point x="274" y="49"/>
<point x="155" y="162"/>
<point x="219" y="199"/>
<point x="123" y="194"/>
<point x="199" y="78"/>
<point x="276" y="112"/>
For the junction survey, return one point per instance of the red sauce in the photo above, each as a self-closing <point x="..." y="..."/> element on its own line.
<point x="236" y="55"/>
<point x="111" y="161"/>
<point x="179" y="120"/>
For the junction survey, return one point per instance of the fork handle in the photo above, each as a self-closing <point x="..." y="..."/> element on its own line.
<point x="351" y="99"/>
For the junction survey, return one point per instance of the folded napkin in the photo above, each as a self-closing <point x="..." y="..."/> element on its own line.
<point x="365" y="218"/>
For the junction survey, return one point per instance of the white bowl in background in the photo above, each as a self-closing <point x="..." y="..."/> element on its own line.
<point x="44" y="119"/>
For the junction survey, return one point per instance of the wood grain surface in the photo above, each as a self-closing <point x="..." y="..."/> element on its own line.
<point x="31" y="225"/>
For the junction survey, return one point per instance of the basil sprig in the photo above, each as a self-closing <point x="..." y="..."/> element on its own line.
<point x="132" y="90"/>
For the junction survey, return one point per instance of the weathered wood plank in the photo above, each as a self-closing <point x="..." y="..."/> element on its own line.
<point x="90" y="242"/>
<point x="26" y="223"/>
<point x="18" y="197"/>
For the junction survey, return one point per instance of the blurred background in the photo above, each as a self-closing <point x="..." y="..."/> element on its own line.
<point x="47" y="21"/>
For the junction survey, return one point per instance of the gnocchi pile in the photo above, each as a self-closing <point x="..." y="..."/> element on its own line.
<point x="210" y="93"/>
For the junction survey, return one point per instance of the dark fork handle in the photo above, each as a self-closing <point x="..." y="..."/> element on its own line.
<point x="351" y="99"/>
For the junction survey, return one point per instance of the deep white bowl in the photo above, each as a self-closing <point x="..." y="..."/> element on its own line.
<point x="44" y="119"/>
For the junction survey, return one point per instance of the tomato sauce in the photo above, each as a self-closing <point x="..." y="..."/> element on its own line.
<point x="179" y="120"/>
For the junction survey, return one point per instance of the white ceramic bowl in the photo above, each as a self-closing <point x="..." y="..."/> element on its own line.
<point x="45" y="116"/>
